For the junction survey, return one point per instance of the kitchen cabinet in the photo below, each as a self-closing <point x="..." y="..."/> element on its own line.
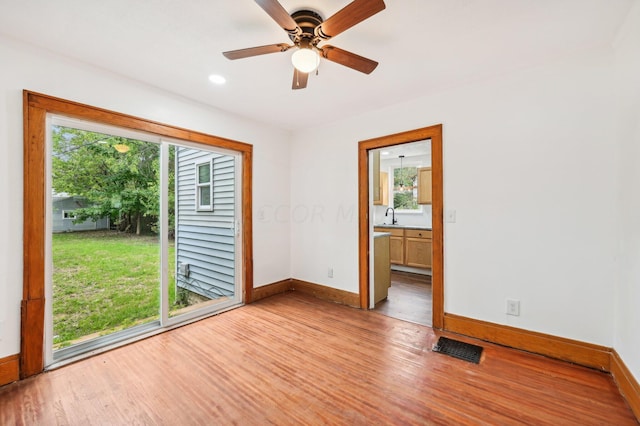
<point x="377" y="195"/>
<point x="409" y="247"/>
<point x="396" y="244"/>
<point x="384" y="188"/>
<point x="382" y="268"/>
<point x="380" y="183"/>
<point x="418" y="248"/>
<point x="424" y="185"/>
<point x="396" y="250"/>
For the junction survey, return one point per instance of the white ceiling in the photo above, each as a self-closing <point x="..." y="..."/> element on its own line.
<point x="422" y="46"/>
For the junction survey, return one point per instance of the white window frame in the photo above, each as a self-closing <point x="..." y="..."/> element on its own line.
<point x="68" y="214"/>
<point x="199" y="206"/>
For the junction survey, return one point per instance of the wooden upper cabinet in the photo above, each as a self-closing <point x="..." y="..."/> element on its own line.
<point x="384" y="188"/>
<point x="377" y="194"/>
<point x="424" y="185"/>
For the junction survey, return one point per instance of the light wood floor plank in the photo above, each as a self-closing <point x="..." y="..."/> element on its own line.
<point x="409" y="298"/>
<point x="292" y="359"/>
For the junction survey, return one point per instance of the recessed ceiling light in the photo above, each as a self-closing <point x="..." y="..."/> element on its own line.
<point x="217" y="79"/>
<point x="385" y="153"/>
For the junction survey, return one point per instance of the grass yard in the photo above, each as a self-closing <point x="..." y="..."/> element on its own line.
<point x="105" y="281"/>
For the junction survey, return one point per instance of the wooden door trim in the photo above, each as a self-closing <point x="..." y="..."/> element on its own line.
<point x="435" y="134"/>
<point x="36" y="106"/>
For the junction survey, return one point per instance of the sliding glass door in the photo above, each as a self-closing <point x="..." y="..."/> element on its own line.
<point x="141" y="235"/>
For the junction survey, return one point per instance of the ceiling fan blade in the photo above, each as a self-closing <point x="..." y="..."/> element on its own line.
<point x="299" y="79"/>
<point x="348" y="59"/>
<point x="352" y="14"/>
<point x="255" y="51"/>
<point x="280" y="15"/>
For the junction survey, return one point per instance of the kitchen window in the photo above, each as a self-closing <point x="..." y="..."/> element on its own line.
<point x="405" y="189"/>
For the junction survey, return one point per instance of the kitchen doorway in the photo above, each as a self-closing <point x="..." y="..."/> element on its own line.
<point x="401" y="214"/>
<point x="367" y="217"/>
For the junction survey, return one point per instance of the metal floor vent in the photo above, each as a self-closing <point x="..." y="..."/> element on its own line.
<point x="461" y="350"/>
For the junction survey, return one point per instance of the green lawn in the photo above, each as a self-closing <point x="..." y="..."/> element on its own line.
<point x="105" y="281"/>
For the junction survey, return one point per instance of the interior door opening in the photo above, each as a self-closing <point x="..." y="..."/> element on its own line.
<point x="142" y="235"/>
<point x="401" y="214"/>
<point x="368" y="162"/>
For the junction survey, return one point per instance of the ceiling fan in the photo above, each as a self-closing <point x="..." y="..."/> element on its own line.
<point x="306" y="30"/>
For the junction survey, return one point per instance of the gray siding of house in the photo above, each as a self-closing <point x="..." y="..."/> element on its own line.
<point x="69" y="204"/>
<point x="205" y="239"/>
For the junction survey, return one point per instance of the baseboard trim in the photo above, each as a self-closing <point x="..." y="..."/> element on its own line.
<point x="326" y="293"/>
<point x="574" y="351"/>
<point x="9" y="369"/>
<point x="272" y="289"/>
<point x="628" y="385"/>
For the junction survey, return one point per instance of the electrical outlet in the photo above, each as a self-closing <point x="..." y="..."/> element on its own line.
<point x="330" y="272"/>
<point x="183" y="269"/>
<point x="513" y="307"/>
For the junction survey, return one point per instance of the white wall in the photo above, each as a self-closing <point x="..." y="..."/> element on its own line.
<point x="25" y="67"/>
<point x="627" y="302"/>
<point x="529" y="165"/>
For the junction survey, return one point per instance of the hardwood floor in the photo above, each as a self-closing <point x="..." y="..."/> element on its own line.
<point x="409" y="298"/>
<point x="293" y="359"/>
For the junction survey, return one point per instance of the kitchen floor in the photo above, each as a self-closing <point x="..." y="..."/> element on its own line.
<point x="409" y="298"/>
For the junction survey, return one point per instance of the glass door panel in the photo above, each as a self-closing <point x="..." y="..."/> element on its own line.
<point x="105" y="248"/>
<point x="204" y="229"/>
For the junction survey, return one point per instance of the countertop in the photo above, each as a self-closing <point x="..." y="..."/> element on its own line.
<point x="424" y="228"/>
<point x="381" y="234"/>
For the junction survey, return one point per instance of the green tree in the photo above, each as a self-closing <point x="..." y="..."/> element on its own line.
<point x="121" y="185"/>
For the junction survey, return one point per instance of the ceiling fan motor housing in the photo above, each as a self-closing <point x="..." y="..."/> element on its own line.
<point x="307" y="20"/>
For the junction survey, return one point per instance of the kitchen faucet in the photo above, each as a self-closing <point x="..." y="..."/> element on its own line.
<point x="393" y="215"/>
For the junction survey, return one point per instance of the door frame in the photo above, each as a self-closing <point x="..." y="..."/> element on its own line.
<point x="435" y="134"/>
<point x="36" y="108"/>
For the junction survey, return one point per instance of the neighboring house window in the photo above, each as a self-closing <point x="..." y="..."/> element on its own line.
<point x="66" y="214"/>
<point x="204" y="187"/>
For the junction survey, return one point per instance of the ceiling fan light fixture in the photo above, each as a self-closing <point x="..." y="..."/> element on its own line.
<point x="305" y="60"/>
